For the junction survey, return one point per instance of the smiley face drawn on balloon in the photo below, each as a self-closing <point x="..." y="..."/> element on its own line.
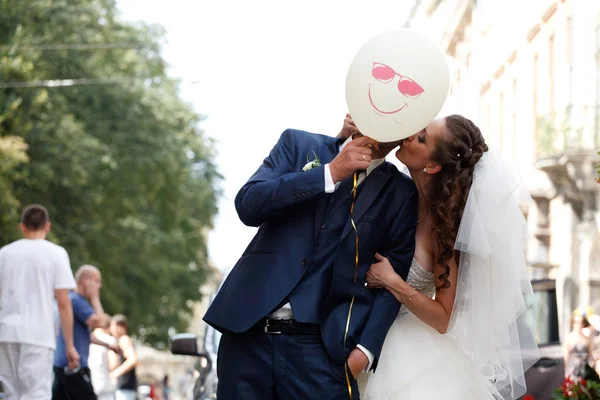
<point x="396" y="84"/>
<point x="387" y="79"/>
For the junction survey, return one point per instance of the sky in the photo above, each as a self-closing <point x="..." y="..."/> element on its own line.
<point x="256" y="68"/>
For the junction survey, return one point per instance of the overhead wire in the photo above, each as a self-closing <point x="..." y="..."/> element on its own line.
<point x="71" y="46"/>
<point x="68" y="82"/>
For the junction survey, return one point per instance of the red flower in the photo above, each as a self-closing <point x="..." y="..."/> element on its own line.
<point x="567" y="382"/>
<point x="583" y="382"/>
<point x="528" y="397"/>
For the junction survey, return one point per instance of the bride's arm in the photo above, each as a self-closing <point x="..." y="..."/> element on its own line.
<point x="435" y="313"/>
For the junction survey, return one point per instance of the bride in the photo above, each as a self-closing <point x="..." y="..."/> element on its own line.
<point x="463" y="330"/>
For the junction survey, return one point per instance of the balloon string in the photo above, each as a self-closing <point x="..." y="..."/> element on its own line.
<point x="355" y="278"/>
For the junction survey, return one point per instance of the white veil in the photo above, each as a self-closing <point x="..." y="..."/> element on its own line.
<point x="490" y="320"/>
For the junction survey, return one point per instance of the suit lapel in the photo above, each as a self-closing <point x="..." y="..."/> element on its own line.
<point x="327" y="152"/>
<point x="373" y="185"/>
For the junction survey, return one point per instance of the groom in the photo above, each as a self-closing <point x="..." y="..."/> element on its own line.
<point x="284" y="307"/>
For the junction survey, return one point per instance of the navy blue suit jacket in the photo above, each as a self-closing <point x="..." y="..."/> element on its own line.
<point x="284" y="203"/>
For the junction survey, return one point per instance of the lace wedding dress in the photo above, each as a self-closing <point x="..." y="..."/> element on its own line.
<point x="490" y="342"/>
<point x="418" y="363"/>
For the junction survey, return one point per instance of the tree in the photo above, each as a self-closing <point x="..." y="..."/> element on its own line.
<point x="12" y="153"/>
<point x="112" y="151"/>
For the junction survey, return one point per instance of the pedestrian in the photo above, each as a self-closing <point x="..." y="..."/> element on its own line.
<point x="99" y="362"/>
<point x="166" y="388"/>
<point x="75" y="383"/>
<point x="124" y="374"/>
<point x="578" y="350"/>
<point x="33" y="272"/>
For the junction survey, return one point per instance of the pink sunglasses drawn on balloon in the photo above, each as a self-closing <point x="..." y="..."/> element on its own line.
<point x="386" y="74"/>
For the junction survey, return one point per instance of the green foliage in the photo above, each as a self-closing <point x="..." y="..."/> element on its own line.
<point x="118" y="158"/>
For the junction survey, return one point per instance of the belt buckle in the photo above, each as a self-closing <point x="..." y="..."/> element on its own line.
<point x="267" y="326"/>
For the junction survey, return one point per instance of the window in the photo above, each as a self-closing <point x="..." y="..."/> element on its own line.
<point x="544" y="312"/>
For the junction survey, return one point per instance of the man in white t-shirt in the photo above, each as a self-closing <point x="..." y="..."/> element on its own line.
<point x="33" y="272"/>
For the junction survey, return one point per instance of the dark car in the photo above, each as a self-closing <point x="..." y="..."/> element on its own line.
<point x="186" y="344"/>
<point x="205" y="386"/>
<point x="548" y="373"/>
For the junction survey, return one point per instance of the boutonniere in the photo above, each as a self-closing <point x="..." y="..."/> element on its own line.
<point x="310" y="164"/>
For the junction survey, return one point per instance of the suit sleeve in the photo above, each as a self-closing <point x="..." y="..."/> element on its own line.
<point x="276" y="188"/>
<point x="400" y="251"/>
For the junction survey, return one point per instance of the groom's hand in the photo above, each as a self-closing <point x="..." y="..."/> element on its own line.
<point x="357" y="362"/>
<point x="356" y="155"/>
<point x="348" y="129"/>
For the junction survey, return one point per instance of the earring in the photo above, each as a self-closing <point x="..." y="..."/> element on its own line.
<point x="424" y="169"/>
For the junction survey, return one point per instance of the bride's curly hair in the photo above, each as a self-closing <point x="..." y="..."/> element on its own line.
<point x="457" y="151"/>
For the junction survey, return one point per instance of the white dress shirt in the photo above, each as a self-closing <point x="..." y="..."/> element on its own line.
<point x="285" y="312"/>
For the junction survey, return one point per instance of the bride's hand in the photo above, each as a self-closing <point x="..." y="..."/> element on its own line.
<point x="381" y="274"/>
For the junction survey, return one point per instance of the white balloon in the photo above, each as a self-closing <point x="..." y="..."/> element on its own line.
<point x="396" y="85"/>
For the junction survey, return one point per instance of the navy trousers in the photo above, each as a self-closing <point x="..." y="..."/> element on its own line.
<point x="257" y="366"/>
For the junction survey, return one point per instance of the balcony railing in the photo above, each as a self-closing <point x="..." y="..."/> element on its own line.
<point x="575" y="130"/>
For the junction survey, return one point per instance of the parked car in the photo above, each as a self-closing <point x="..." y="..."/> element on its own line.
<point x="548" y="373"/>
<point x="205" y="386"/>
<point x="186" y="344"/>
<point x="212" y="337"/>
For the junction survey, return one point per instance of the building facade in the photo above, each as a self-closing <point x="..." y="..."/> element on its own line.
<point x="528" y="73"/>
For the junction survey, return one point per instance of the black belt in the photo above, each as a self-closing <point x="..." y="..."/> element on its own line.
<point x="272" y="326"/>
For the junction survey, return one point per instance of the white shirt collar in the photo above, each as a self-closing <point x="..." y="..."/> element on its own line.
<point x="374" y="163"/>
